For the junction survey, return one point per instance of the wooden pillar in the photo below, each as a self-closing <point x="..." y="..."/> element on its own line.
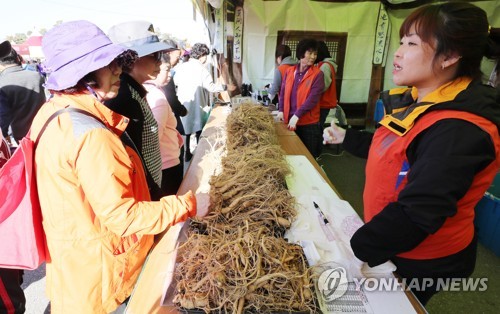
<point x="376" y="84"/>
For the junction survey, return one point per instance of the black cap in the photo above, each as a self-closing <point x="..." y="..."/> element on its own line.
<point x="5" y="49"/>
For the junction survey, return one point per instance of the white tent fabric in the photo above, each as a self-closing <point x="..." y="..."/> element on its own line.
<point x="264" y="19"/>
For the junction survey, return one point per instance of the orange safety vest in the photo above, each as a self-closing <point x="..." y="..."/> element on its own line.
<point x="386" y="175"/>
<point x="282" y="68"/>
<point x="303" y="91"/>
<point x="329" y="98"/>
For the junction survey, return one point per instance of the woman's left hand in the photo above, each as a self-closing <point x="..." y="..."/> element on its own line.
<point x="292" y="124"/>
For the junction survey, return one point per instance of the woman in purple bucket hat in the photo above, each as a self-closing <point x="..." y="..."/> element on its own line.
<point x="97" y="214"/>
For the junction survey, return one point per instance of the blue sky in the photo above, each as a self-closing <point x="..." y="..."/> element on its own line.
<point x="170" y="16"/>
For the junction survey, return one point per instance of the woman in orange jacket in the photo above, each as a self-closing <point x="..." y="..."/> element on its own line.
<point x="97" y="214"/>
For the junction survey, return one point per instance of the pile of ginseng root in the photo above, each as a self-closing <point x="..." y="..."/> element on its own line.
<point x="235" y="259"/>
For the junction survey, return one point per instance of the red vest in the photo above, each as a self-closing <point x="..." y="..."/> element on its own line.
<point x="282" y="68"/>
<point x="329" y="98"/>
<point x="386" y="177"/>
<point x="303" y="91"/>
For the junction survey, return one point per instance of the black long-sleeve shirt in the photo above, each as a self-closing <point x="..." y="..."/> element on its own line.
<point x="443" y="161"/>
<point x="21" y="96"/>
<point x="177" y="107"/>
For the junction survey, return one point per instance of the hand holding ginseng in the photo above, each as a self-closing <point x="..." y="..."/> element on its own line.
<point x="181" y="207"/>
<point x="189" y="201"/>
<point x="333" y="134"/>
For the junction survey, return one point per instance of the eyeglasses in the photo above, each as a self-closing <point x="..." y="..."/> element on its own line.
<point x="156" y="55"/>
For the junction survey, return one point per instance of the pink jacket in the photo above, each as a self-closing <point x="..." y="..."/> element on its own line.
<point x="170" y="139"/>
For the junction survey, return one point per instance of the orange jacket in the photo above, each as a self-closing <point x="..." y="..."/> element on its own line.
<point x="304" y="88"/>
<point x="457" y="231"/>
<point x="329" y="98"/>
<point x="97" y="216"/>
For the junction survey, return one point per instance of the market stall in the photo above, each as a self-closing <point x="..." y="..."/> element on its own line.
<point x="308" y="183"/>
<point x="361" y="36"/>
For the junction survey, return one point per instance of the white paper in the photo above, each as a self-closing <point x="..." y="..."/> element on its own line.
<point x="308" y="186"/>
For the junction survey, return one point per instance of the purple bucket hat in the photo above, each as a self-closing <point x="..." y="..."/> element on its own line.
<point x="73" y="50"/>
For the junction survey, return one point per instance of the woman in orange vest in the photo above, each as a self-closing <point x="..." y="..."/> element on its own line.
<point x="436" y="151"/>
<point x="284" y="60"/>
<point x="327" y="66"/>
<point x="299" y="97"/>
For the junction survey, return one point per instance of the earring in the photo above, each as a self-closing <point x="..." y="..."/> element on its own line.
<point x="442" y="66"/>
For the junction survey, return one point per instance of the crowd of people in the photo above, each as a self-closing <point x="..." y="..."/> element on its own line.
<point x="109" y="167"/>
